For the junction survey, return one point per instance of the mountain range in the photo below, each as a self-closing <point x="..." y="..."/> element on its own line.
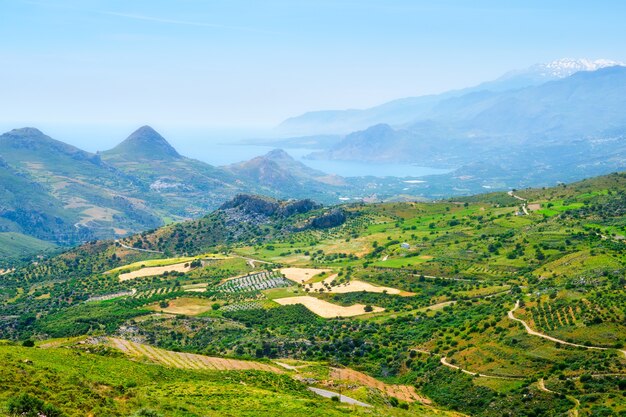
<point x="577" y="115"/>
<point x="55" y="192"/>
<point x="405" y="111"/>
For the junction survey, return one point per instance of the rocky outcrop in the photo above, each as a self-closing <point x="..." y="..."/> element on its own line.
<point x="333" y="218"/>
<point x="253" y="204"/>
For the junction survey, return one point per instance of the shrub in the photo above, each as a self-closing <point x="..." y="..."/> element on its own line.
<point x="28" y="406"/>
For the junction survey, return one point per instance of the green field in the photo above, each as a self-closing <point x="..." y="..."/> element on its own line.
<point x="465" y="265"/>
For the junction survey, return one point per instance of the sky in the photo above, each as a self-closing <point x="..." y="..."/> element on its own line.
<point x="237" y="64"/>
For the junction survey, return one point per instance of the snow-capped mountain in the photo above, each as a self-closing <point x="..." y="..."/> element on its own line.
<point x="408" y="110"/>
<point x="562" y="68"/>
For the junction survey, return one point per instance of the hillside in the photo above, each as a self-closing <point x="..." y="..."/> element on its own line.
<point x="60" y="194"/>
<point x="100" y="380"/>
<point x="488" y="305"/>
<point x="74" y="192"/>
<point x="277" y="170"/>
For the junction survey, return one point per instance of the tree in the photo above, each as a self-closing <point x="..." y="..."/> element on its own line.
<point x="368" y="308"/>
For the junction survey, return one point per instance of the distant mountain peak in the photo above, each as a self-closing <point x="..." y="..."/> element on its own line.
<point x="31" y="132"/>
<point x="145" y="143"/>
<point x="563" y="67"/>
<point x="278" y="155"/>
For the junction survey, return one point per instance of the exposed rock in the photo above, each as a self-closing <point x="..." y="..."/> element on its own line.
<point x="334" y="218"/>
<point x="265" y="206"/>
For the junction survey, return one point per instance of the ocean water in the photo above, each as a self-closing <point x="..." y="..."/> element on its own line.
<point x="225" y="153"/>
<point x="222" y="147"/>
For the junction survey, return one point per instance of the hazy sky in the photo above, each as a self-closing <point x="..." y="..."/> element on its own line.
<point x="254" y="63"/>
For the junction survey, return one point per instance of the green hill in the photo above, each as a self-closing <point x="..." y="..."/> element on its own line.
<point x="143" y="144"/>
<point x="89" y="380"/>
<point x="491" y="305"/>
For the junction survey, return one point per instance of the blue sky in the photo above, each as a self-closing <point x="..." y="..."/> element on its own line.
<point x="210" y="63"/>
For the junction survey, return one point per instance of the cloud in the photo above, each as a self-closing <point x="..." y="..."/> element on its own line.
<point x="186" y="22"/>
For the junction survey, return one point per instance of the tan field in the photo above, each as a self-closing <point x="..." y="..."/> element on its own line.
<point x="325" y="309"/>
<point x="155" y="270"/>
<point x="187" y="360"/>
<point x="187" y="306"/>
<point x="195" y="287"/>
<point x="300" y="275"/>
<point x="353" y="286"/>
<point x="402" y="392"/>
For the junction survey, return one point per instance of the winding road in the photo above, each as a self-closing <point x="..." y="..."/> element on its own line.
<point x="553" y="339"/>
<point x="342" y="398"/>
<point x="524" y="202"/>
<point x="444" y="361"/>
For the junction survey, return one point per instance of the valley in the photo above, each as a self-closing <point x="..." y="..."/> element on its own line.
<point x="469" y="306"/>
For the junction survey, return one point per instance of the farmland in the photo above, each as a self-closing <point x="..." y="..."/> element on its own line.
<point x="328" y="310"/>
<point x="389" y="307"/>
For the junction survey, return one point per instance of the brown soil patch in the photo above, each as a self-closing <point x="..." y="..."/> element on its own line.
<point x="402" y="392"/>
<point x="155" y="270"/>
<point x="352" y="286"/>
<point x="325" y="309"/>
<point x="186" y="306"/>
<point x="300" y="275"/>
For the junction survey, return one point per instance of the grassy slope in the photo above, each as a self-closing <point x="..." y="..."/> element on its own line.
<point x="81" y="383"/>
<point x="17" y="245"/>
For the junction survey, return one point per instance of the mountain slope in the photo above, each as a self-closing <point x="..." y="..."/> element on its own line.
<point x="407" y="110"/>
<point x="89" y="197"/>
<point x="562" y="130"/>
<point x="277" y="170"/>
<point x="143" y="144"/>
<point x="59" y="193"/>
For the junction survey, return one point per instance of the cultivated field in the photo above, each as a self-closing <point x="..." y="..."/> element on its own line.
<point x="186" y="306"/>
<point x="187" y="360"/>
<point x="254" y="282"/>
<point x="325" y="309"/>
<point x="352" y="286"/>
<point x="155" y="270"/>
<point x="300" y="275"/>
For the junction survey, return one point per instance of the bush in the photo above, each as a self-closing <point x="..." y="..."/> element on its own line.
<point x="28" y="343"/>
<point x="28" y="406"/>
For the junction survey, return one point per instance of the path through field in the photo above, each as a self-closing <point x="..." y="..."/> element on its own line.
<point x="545" y="336"/>
<point x="444" y="361"/>
<point x="187" y="360"/>
<point x="342" y="398"/>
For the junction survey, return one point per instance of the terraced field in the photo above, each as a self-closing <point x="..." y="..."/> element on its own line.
<point x="246" y="305"/>
<point x="187" y="360"/>
<point x="153" y="292"/>
<point x="255" y="282"/>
